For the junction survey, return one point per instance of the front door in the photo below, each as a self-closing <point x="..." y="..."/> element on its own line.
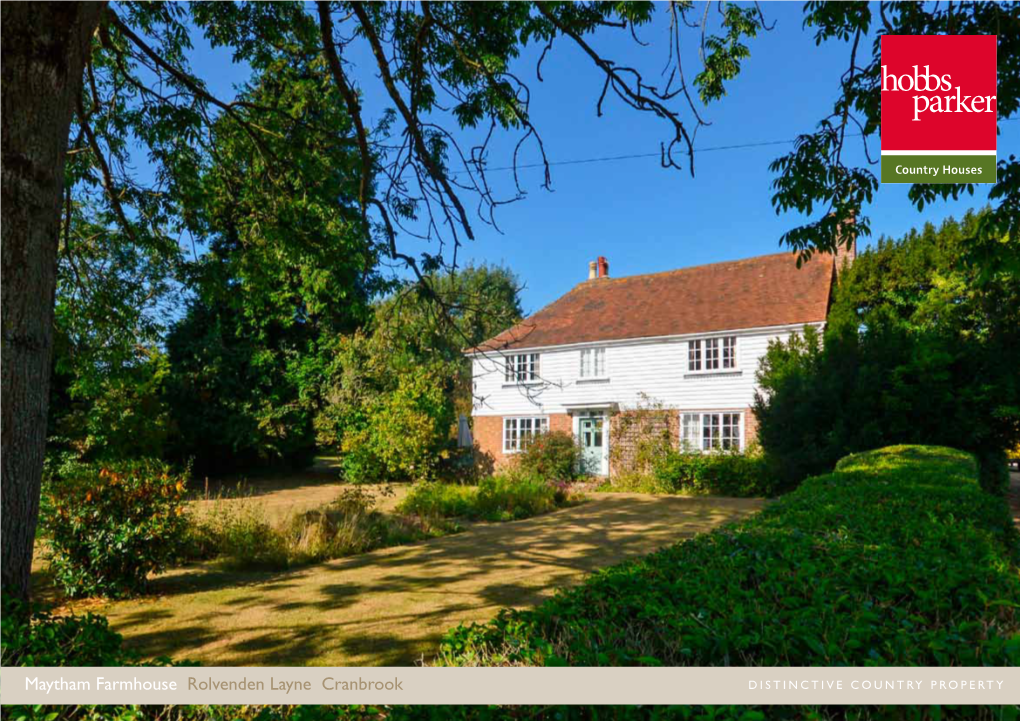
<point x="594" y="444"/>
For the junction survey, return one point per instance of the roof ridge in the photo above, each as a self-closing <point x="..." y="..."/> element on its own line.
<point x="736" y="261"/>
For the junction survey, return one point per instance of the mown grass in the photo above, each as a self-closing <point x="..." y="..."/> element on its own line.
<point x="897" y="557"/>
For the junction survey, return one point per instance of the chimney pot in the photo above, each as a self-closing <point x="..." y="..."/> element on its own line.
<point x="603" y="266"/>
<point x="592" y="271"/>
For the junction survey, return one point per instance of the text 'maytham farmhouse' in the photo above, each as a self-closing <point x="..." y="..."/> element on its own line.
<point x="687" y="341"/>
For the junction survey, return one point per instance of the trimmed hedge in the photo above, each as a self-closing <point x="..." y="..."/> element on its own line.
<point x="898" y="557"/>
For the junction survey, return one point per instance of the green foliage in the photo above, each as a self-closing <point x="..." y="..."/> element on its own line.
<point x="241" y="536"/>
<point x="404" y="431"/>
<point x="554" y="455"/>
<point x="993" y="471"/>
<point x="110" y="526"/>
<point x="508" y="497"/>
<point x="391" y="392"/>
<point x="439" y="500"/>
<point x="814" y="177"/>
<point x="36" y="638"/>
<point x="916" y="350"/>
<point x="748" y="474"/>
<point x="500" y="497"/>
<point x="896" y="558"/>
<point x="236" y="400"/>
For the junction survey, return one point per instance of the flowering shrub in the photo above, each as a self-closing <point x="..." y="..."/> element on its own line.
<point x="110" y="526"/>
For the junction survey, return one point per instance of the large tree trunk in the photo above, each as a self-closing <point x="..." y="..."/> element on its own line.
<point x="44" y="50"/>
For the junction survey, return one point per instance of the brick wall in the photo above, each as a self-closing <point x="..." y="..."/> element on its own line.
<point x="750" y="427"/>
<point x="488" y="435"/>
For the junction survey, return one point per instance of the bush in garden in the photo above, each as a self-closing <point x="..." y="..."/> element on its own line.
<point x="111" y="526"/>
<point x="240" y="533"/>
<point x="402" y="434"/>
<point x="554" y="455"/>
<point x="32" y="637"/>
<point x="897" y="558"/>
<point x="723" y="474"/>
<point x="508" y="497"/>
<point x="242" y="536"/>
<point x="443" y="500"/>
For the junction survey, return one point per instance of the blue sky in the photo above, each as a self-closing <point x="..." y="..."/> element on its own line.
<point x="641" y="217"/>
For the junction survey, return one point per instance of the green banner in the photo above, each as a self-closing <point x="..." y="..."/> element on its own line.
<point x="936" y="168"/>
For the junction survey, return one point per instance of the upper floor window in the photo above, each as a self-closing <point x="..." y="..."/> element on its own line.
<point x="521" y="367"/>
<point x="593" y="363"/>
<point x="711" y="354"/>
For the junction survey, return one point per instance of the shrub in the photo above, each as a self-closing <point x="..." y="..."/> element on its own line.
<point x="513" y="496"/>
<point x="239" y="532"/>
<point x="30" y="636"/>
<point x="504" y="497"/>
<point x="553" y="456"/>
<point x="110" y="527"/>
<point x="723" y="474"/>
<point x="241" y="535"/>
<point x="439" y="500"/>
<point x="33" y="637"/>
<point x="898" y="557"/>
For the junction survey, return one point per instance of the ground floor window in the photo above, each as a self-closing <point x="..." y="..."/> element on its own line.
<point x="710" y="431"/>
<point x="518" y="432"/>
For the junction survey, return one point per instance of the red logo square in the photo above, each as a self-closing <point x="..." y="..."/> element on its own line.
<point x="938" y="92"/>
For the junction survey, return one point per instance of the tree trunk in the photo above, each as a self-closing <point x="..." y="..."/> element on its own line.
<point x="45" y="45"/>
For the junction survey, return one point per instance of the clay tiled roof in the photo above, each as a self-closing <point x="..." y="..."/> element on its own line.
<point x="757" y="292"/>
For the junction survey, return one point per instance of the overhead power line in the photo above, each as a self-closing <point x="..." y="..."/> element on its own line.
<point x="633" y="156"/>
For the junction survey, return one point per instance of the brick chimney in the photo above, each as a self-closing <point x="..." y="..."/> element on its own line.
<point x="592" y="272"/>
<point x="603" y="266"/>
<point x="846" y="253"/>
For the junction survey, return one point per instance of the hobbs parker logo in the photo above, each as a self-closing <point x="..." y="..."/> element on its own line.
<point x="938" y="108"/>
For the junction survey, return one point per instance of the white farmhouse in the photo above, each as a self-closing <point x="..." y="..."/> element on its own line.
<point x="687" y="341"/>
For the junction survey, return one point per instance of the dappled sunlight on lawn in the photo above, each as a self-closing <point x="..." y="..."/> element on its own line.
<point x="393" y="605"/>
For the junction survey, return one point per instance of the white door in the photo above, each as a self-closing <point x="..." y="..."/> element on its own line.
<point x="594" y="444"/>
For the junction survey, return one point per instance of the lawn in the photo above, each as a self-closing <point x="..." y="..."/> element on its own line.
<point x="391" y="606"/>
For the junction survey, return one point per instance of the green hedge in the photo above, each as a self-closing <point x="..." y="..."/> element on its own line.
<point x="721" y="474"/>
<point x="896" y="558"/>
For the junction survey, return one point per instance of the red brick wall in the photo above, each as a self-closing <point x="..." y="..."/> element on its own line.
<point x="488" y="435"/>
<point x="750" y="427"/>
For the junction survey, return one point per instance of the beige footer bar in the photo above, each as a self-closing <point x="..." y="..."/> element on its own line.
<point x="510" y="685"/>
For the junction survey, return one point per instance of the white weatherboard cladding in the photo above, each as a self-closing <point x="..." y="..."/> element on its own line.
<point x="637" y="372"/>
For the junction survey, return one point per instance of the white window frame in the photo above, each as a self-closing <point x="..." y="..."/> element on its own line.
<point x="710" y="355"/>
<point x="593" y="363"/>
<point x="518" y="431"/>
<point x="692" y="430"/>
<point x="521" y="368"/>
<point x="729" y="348"/>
